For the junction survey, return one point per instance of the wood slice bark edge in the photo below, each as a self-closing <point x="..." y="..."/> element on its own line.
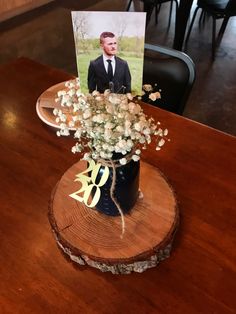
<point x="138" y="263"/>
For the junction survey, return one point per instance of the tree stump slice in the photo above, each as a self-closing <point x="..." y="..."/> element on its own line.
<point x="90" y="237"/>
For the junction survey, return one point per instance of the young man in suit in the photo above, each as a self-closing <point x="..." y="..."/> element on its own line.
<point x="109" y="71"/>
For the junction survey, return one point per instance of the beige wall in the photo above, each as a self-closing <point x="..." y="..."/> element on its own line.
<point x="10" y="8"/>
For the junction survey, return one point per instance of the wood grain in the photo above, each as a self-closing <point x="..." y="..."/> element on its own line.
<point x="149" y="227"/>
<point x="199" y="276"/>
<point x="10" y="8"/>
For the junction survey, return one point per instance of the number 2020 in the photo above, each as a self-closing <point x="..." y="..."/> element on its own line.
<point x="89" y="182"/>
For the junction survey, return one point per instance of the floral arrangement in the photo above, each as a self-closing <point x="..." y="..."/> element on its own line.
<point x="150" y="93"/>
<point x="104" y="124"/>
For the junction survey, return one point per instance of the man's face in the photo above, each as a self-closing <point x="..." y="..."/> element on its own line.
<point x="109" y="46"/>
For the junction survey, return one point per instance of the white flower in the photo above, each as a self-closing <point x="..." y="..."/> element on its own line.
<point x="107" y="134"/>
<point x="142" y="140"/>
<point x="135" y="158"/>
<point x="100" y="118"/>
<point x="106" y="123"/>
<point x="147" y="87"/>
<point x="134" y="108"/>
<point x="76" y="148"/>
<point x="161" y="142"/>
<point x="69" y="84"/>
<point x="120" y="129"/>
<point x="120" y="115"/>
<point x="71" y="92"/>
<point x="114" y="99"/>
<point x="78" y="133"/>
<point x="71" y="124"/>
<point x="106" y="92"/>
<point x="123" y="161"/>
<point x="109" y="125"/>
<point x="87" y="114"/>
<point x="78" y="93"/>
<point x="95" y="93"/>
<point x="105" y="146"/>
<point x="159" y="132"/>
<point x="61" y="93"/>
<point x="86" y="156"/>
<point x="109" y="108"/>
<point x="154" y="96"/>
<point x="124" y="106"/>
<point x="103" y="155"/>
<point x="111" y="148"/>
<point x="65" y="132"/>
<point x="129" y="96"/>
<point x="129" y="143"/>
<point x="138" y="126"/>
<point x="63" y="118"/>
<point x="146" y="131"/>
<point x="148" y="139"/>
<point x="55" y="111"/>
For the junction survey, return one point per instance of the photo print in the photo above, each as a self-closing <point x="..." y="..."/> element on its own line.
<point x="109" y="50"/>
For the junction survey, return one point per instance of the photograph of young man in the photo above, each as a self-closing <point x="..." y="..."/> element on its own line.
<point x="109" y="71"/>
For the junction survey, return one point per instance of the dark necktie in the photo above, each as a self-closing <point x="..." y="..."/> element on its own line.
<point x="110" y="72"/>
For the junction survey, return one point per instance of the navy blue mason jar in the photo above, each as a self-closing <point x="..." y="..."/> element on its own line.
<point x="126" y="188"/>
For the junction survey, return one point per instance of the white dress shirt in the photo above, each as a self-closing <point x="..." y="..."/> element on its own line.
<point x="113" y="63"/>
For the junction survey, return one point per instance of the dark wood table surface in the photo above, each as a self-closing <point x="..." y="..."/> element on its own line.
<point x="199" y="276"/>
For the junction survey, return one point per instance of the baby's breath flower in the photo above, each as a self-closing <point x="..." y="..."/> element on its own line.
<point x="129" y="96"/>
<point x="86" y="156"/>
<point x="161" y="142"/>
<point x="165" y="132"/>
<point x="55" y="111"/>
<point x="61" y="93"/>
<point x="147" y="87"/>
<point x="135" y="157"/>
<point x="154" y="96"/>
<point x="106" y="123"/>
<point x="123" y="161"/>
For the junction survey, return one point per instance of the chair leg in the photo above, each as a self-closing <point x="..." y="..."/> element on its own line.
<point x="191" y="25"/>
<point x="128" y="6"/>
<point x="157" y="10"/>
<point x="222" y="30"/>
<point x="213" y="38"/>
<point x="176" y="11"/>
<point x="201" y="18"/>
<point x="171" y="6"/>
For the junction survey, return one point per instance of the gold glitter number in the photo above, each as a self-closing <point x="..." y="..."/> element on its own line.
<point x="88" y="183"/>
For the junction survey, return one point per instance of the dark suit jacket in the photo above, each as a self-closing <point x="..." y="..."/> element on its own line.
<point x="98" y="77"/>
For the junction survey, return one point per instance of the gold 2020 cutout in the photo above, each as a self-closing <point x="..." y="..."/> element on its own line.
<point x="89" y="182"/>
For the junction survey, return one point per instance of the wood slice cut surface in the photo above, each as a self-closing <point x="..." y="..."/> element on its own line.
<point x="90" y="237"/>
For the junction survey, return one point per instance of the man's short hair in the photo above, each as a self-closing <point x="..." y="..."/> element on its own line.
<point x="105" y="35"/>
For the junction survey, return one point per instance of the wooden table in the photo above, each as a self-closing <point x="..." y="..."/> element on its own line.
<point x="199" y="276"/>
